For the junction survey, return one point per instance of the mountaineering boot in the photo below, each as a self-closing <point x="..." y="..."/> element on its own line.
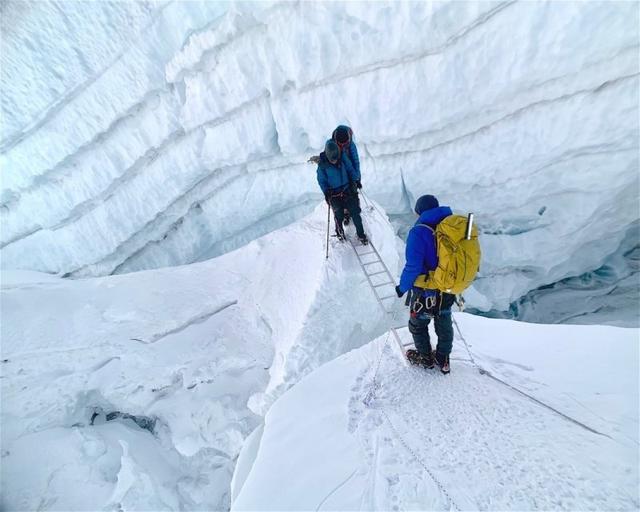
<point x="418" y="359"/>
<point x="340" y="234"/>
<point x="363" y="240"/>
<point x="413" y="356"/>
<point x="443" y="363"/>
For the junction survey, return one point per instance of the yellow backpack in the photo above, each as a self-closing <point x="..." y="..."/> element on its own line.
<point x="458" y="251"/>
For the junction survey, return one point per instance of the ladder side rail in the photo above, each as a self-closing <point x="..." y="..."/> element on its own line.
<point x="384" y="265"/>
<point x="371" y="285"/>
<point x="391" y="328"/>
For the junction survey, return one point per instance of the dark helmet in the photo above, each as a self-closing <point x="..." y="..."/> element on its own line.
<point x="332" y="151"/>
<point x="342" y="135"/>
<point x="425" y="203"/>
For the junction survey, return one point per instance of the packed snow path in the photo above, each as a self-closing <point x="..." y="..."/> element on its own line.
<point x="425" y="441"/>
<point x="481" y="445"/>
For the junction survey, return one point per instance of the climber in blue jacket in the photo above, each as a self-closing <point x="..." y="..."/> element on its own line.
<point x="421" y="257"/>
<point x="335" y="176"/>
<point x="343" y="135"/>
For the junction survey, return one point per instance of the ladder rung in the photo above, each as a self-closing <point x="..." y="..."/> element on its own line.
<point x="382" y="284"/>
<point x="388" y="297"/>
<point x="365" y="253"/>
<point x="377" y="273"/>
<point x="371" y="263"/>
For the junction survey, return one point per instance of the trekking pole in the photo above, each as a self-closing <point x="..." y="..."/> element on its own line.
<point x="328" y="224"/>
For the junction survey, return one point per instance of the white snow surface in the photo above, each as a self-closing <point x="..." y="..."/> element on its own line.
<point x="149" y="390"/>
<point x="463" y="441"/>
<point x="193" y="355"/>
<point x="143" y="135"/>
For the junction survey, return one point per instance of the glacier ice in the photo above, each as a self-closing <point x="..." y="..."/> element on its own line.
<point x="164" y="133"/>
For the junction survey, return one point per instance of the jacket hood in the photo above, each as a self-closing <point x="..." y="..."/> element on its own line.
<point x="324" y="161"/>
<point x="433" y="216"/>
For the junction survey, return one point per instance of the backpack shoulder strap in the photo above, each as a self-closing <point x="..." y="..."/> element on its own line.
<point x="426" y="226"/>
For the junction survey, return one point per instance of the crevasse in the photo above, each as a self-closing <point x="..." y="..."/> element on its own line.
<point x="161" y="134"/>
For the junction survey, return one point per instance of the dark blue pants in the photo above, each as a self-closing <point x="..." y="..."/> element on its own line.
<point x="442" y="321"/>
<point x="350" y="202"/>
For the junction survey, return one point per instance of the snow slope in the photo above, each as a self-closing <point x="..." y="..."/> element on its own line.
<point x="366" y="433"/>
<point x="147" y="391"/>
<point x="156" y="134"/>
<point x="140" y="389"/>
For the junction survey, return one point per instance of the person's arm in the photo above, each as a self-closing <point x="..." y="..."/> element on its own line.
<point x="323" y="181"/>
<point x="414" y="255"/>
<point x="351" y="173"/>
<point x="353" y="153"/>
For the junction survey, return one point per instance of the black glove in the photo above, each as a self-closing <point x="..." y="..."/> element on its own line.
<point x="398" y="292"/>
<point x="358" y="184"/>
<point x="327" y="198"/>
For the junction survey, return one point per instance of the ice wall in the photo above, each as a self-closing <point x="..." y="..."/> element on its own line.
<point x="161" y="134"/>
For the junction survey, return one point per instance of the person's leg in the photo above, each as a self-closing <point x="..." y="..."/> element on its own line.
<point x="354" y="210"/>
<point x="338" y="211"/>
<point x="444" y="330"/>
<point x="419" y="329"/>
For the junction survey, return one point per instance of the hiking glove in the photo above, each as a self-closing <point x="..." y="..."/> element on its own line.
<point x="398" y="292"/>
<point x="327" y="198"/>
<point x="358" y="184"/>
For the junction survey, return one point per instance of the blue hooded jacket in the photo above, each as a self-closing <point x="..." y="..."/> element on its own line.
<point x="352" y="153"/>
<point x="335" y="177"/>
<point x="350" y="149"/>
<point x="421" y="252"/>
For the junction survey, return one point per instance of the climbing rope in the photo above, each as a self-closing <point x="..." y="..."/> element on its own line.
<point x="371" y="205"/>
<point x="371" y="394"/>
<point x="466" y="345"/>
<point x="527" y="395"/>
<point x="452" y="502"/>
<point x="370" y="397"/>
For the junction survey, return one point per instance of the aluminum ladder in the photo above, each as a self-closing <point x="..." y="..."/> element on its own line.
<point x="382" y="284"/>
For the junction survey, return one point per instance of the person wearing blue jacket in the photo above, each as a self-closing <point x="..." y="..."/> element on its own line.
<point x="343" y="136"/>
<point x="335" y="176"/>
<point x="421" y="257"/>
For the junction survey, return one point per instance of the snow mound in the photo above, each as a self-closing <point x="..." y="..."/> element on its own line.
<point x="149" y="135"/>
<point x="141" y="389"/>
<point x="366" y="433"/>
